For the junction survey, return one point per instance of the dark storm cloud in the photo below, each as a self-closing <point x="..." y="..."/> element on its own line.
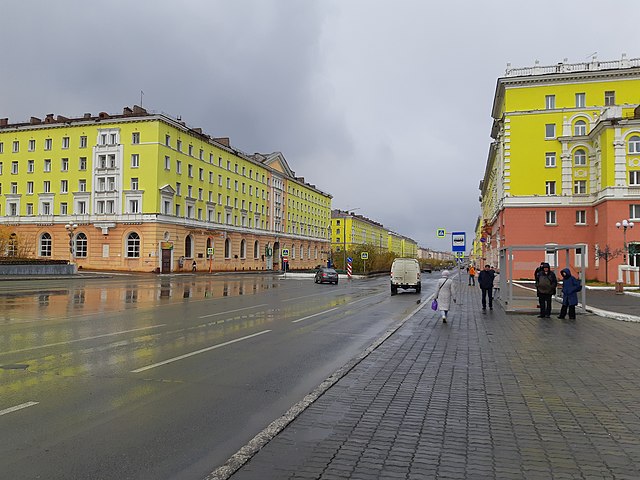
<point x="385" y="105"/>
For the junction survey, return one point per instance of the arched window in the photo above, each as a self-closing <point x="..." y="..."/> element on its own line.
<point x="133" y="245"/>
<point x="188" y="247"/>
<point x="243" y="248"/>
<point x="301" y="252"/>
<point x="634" y="145"/>
<point x="580" y="158"/>
<point x="256" y="249"/>
<point x="309" y="251"/>
<point x="580" y="128"/>
<point x="293" y="251"/>
<point x="45" y="245"/>
<point x="227" y="248"/>
<point x="12" y="248"/>
<point x="315" y="254"/>
<point x="80" y="249"/>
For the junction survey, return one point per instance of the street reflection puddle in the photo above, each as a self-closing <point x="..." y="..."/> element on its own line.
<point x="16" y="366"/>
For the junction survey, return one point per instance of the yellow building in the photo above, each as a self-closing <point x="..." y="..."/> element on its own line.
<point x="350" y="231"/>
<point x="564" y="166"/>
<point x="145" y="192"/>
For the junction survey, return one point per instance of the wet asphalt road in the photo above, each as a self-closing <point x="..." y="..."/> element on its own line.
<point x="148" y="377"/>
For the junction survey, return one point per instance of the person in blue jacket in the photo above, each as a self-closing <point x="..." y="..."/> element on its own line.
<point x="570" y="288"/>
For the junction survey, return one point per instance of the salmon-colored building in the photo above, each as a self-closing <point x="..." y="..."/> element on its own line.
<point x="564" y="169"/>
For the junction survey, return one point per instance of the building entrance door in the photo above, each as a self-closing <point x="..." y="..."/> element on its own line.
<point x="166" y="260"/>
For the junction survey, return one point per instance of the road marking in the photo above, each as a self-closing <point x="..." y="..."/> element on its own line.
<point x="232" y="311"/>
<point x="18" y="407"/>
<point x="187" y="355"/>
<point x="314" y="315"/>
<point x="83" y="339"/>
<point x="304" y="296"/>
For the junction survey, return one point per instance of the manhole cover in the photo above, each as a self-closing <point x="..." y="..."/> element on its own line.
<point x="15" y="366"/>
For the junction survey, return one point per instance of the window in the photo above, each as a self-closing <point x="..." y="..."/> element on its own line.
<point x="609" y="98"/>
<point x="550" y="130"/>
<point x="135" y="138"/>
<point x="634" y="177"/>
<point x="133" y="245"/>
<point x="550" y="188"/>
<point x="29" y="188"/>
<point x="46" y="186"/>
<point x="81" y="207"/>
<point x="190" y="170"/>
<point x="550" y="159"/>
<point x="32" y="145"/>
<point x="227" y="248"/>
<point x="178" y="166"/>
<point x="256" y="249"/>
<point x="580" y="187"/>
<point x="188" y="247"/>
<point x="83" y="163"/>
<point x="178" y="188"/>
<point x="135" y="160"/>
<point x="29" y="208"/>
<point x="47" y="165"/>
<point x="243" y="248"/>
<point x="64" y="186"/>
<point x="201" y="174"/>
<point x="634" y="212"/>
<point x="581" y="217"/>
<point x="179" y="145"/>
<point x="550" y="217"/>
<point x="83" y="141"/>
<point x="64" y="165"/>
<point x="190" y="149"/>
<point x="65" y="142"/>
<point x="113" y="139"/>
<point x="579" y="158"/>
<point x="581" y="100"/>
<point x="16" y="147"/>
<point x="46" y="208"/>
<point x="80" y="245"/>
<point x="634" y="145"/>
<point x="579" y="255"/>
<point x="1" y="147"/>
<point x="550" y="102"/>
<point x="14" y="168"/>
<point x="167" y="163"/>
<point x="64" y="209"/>
<point x="134" y="183"/>
<point x="134" y="206"/>
<point x="580" y="128"/>
<point x="82" y="185"/>
<point x="45" y="245"/>
<point x="167" y="140"/>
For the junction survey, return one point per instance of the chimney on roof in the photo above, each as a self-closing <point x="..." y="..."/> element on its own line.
<point x="62" y="119"/>
<point x="49" y="118"/>
<point x="103" y="115"/>
<point x="223" y="141"/>
<point x="138" y="110"/>
<point x="4" y="122"/>
<point x="127" y="111"/>
<point x="35" y="121"/>
<point x="87" y="116"/>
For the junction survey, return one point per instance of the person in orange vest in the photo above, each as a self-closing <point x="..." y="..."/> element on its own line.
<point x="472" y="275"/>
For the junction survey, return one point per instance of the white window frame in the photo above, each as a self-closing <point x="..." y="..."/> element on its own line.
<point x="550" y="160"/>
<point x="634" y="145"/>
<point x="579" y="187"/>
<point x="580" y="158"/>
<point x="550" y="102"/>
<point x="135" y="160"/>
<point x="550" y="217"/>
<point x="550" y="187"/>
<point x="580" y="128"/>
<point x="634" y="211"/>
<point x="550" y="130"/>
<point x="581" y="217"/>
<point x="581" y="100"/>
<point x="634" y="178"/>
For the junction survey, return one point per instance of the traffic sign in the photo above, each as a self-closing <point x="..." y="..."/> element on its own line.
<point x="210" y="251"/>
<point x="458" y="240"/>
<point x="285" y="252"/>
<point x="349" y="259"/>
<point x="459" y="255"/>
<point x="441" y="233"/>
<point x="364" y="255"/>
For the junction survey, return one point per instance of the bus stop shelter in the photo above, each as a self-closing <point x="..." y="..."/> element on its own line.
<point x="518" y="300"/>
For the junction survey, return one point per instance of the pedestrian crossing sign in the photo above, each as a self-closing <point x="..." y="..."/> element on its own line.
<point x="441" y="233"/>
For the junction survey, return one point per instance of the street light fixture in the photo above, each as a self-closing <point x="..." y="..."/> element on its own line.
<point x="71" y="227"/>
<point x="625" y="224"/>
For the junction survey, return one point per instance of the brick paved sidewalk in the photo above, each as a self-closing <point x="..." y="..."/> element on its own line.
<point x="483" y="396"/>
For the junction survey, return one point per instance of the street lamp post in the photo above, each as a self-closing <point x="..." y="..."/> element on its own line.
<point x="71" y="227"/>
<point x="624" y="225"/>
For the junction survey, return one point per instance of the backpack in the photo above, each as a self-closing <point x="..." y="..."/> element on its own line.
<point x="544" y="284"/>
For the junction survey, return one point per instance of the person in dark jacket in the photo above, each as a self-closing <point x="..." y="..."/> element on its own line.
<point x="546" y="283"/>
<point x="570" y="288"/>
<point x="485" y="281"/>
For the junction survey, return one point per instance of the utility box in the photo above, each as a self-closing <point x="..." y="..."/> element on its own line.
<point x="619" y="288"/>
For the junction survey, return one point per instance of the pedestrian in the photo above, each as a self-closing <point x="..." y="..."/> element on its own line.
<point x="194" y="266"/>
<point x="444" y="295"/>
<point x="496" y="284"/>
<point x="570" y="288"/>
<point x="546" y="283"/>
<point x="485" y="281"/>
<point x="472" y="275"/>
<point x="535" y="277"/>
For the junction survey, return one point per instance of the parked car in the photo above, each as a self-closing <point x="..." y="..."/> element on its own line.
<point x="405" y="273"/>
<point x="328" y="275"/>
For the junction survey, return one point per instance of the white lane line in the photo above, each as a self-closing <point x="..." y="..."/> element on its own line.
<point x="18" y="407"/>
<point x="187" y="355"/>
<point x="232" y="311"/>
<point x="314" y="315"/>
<point x="83" y="339"/>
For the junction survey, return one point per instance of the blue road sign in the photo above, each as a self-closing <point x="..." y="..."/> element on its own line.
<point x="349" y="259"/>
<point x="458" y="241"/>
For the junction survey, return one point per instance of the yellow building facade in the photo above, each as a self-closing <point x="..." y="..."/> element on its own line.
<point x="564" y="166"/>
<point x="350" y="231"/>
<point x="145" y="192"/>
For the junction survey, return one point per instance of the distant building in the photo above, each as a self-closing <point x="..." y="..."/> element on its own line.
<point x="350" y="231"/>
<point x="564" y="166"/>
<point x="145" y="192"/>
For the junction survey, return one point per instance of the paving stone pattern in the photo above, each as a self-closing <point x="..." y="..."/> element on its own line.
<point x="483" y="396"/>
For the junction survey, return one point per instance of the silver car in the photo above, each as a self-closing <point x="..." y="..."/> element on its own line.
<point x="328" y="275"/>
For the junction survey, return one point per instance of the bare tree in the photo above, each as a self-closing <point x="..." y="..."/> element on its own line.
<point x="607" y="254"/>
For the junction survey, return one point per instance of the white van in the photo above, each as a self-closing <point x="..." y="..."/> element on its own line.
<point x="405" y="273"/>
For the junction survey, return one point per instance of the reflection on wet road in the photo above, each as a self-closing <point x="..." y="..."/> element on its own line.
<point x="181" y="369"/>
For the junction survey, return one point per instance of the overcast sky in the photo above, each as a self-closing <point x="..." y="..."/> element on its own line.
<point x="386" y="105"/>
